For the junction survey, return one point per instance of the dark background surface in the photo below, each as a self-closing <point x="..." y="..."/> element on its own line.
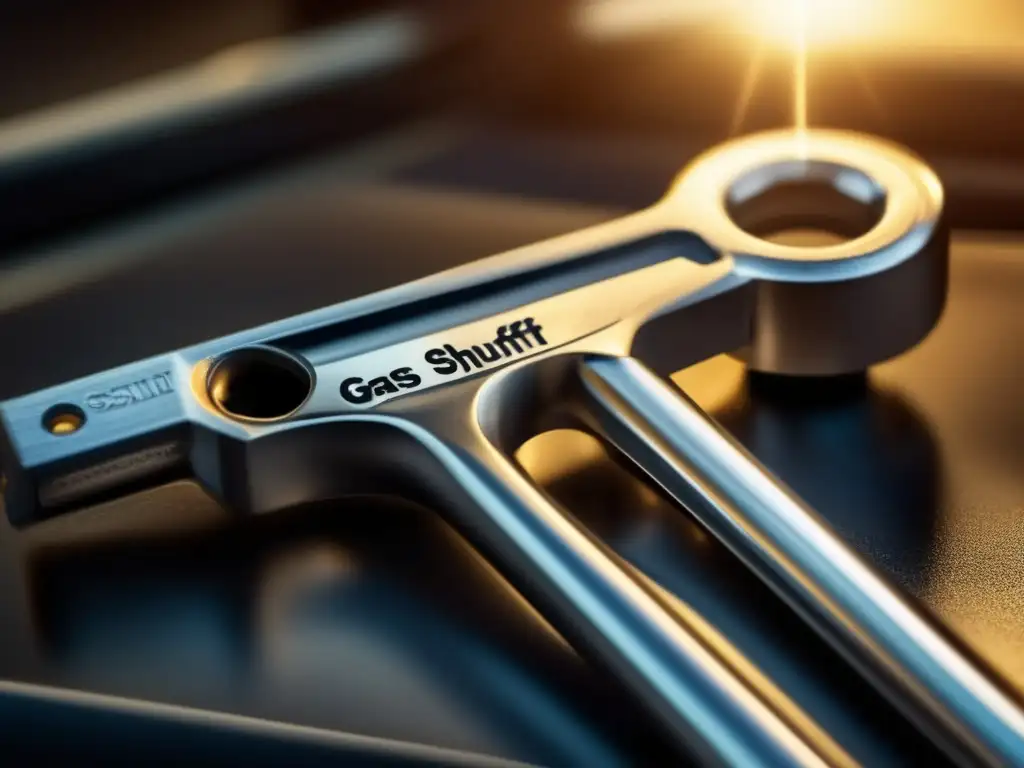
<point x="375" y="618"/>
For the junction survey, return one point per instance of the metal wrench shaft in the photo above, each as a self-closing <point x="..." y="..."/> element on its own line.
<point x="782" y="540"/>
<point x="615" y="619"/>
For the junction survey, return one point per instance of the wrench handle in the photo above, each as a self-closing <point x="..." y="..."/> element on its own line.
<point x="670" y="439"/>
<point x="606" y="612"/>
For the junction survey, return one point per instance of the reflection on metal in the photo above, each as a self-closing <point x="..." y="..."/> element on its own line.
<point x="429" y="389"/>
<point x="557" y="454"/>
<point x="64" y="419"/>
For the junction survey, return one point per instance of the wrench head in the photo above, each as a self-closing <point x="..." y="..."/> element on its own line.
<point x="833" y="309"/>
<point x="674" y="284"/>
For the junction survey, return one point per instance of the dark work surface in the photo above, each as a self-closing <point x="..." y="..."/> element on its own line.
<point x="376" y="618"/>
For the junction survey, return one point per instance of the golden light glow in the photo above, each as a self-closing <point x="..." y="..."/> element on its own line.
<point x="782" y="23"/>
<point x="64" y="425"/>
<point x="800" y="25"/>
<point x="64" y="421"/>
<point x="801" y="21"/>
<point x="750" y="80"/>
<point x="793" y="24"/>
<point x="553" y="455"/>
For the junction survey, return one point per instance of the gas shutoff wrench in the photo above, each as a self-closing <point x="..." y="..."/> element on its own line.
<point x="427" y="390"/>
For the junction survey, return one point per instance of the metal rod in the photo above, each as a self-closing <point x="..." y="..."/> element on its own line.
<point x="607" y="613"/>
<point x="93" y="156"/>
<point x="796" y="553"/>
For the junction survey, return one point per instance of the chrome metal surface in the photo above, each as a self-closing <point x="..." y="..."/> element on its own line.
<point x="596" y="603"/>
<point x="785" y="542"/>
<point x="426" y="390"/>
<point x="842" y="307"/>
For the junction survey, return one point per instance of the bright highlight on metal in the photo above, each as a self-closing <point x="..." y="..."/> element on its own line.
<point x="429" y="389"/>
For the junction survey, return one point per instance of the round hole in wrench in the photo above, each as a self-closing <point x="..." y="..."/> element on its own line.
<point x="63" y="419"/>
<point x="259" y="384"/>
<point x="807" y="203"/>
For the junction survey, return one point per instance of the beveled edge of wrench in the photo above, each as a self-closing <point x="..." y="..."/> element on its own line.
<point x="913" y="203"/>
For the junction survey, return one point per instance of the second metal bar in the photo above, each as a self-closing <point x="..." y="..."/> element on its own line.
<point x="795" y="552"/>
<point x="607" y="613"/>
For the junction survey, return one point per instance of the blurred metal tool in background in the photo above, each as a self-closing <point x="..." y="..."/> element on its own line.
<point x="428" y="389"/>
<point x="248" y="105"/>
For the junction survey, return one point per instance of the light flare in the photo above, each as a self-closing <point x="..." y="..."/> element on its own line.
<point x="823" y="23"/>
<point x="749" y="85"/>
<point x="810" y="24"/>
<point x="801" y="22"/>
<point x="796" y="28"/>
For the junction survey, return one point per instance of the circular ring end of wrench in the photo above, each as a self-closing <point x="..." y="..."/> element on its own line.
<point x="832" y="309"/>
<point x="866" y="172"/>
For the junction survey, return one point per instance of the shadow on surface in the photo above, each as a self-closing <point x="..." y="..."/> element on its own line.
<point x="367" y="616"/>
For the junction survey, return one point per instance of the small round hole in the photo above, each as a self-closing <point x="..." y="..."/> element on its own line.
<point x="259" y="384"/>
<point x="63" y="419"/>
<point x="806" y="203"/>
